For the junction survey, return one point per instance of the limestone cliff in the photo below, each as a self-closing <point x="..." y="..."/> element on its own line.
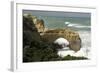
<point x="72" y="36"/>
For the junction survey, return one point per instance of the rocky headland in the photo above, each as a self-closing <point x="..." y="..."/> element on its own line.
<point x="38" y="41"/>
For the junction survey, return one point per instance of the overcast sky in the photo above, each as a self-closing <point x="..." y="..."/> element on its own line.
<point x="53" y="13"/>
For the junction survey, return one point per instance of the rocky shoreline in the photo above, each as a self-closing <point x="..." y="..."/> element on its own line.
<point x="38" y="41"/>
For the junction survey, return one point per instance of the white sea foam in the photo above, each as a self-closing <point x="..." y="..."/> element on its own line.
<point x="80" y="53"/>
<point x="67" y="23"/>
<point x="82" y="26"/>
<point x="77" y="25"/>
<point x="73" y="25"/>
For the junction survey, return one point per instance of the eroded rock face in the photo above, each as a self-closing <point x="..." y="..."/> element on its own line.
<point x="39" y="23"/>
<point x="75" y="44"/>
<point x="71" y="36"/>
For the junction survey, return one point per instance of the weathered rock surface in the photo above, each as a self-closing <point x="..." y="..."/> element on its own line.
<point x="71" y="36"/>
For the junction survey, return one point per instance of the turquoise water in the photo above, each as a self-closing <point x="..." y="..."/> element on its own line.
<point x="75" y="23"/>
